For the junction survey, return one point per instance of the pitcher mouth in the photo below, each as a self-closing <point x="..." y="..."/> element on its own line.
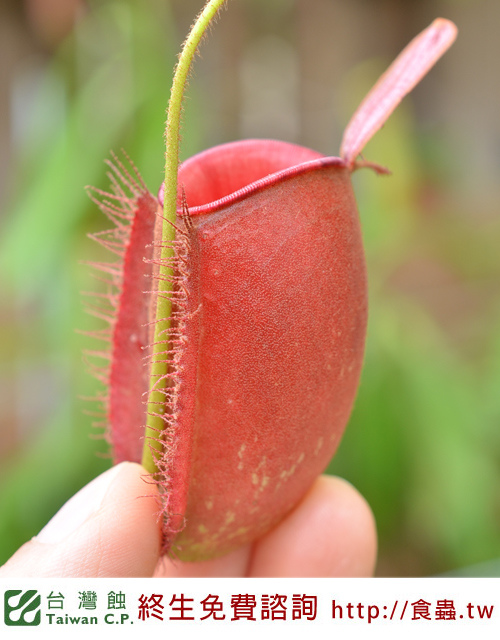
<point x="229" y="172"/>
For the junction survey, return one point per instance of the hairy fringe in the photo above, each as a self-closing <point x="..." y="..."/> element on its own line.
<point x="119" y="207"/>
<point x="170" y="385"/>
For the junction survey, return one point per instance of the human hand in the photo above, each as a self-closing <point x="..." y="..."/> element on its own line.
<point x="110" y="528"/>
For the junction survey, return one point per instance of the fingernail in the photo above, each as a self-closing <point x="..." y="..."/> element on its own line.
<point x="78" y="508"/>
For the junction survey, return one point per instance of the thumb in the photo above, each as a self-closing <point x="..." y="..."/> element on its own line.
<point x="109" y="528"/>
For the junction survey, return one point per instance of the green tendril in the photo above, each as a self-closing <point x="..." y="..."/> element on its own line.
<point x="159" y="368"/>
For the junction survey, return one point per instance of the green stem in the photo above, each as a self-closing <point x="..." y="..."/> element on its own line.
<point x="155" y="424"/>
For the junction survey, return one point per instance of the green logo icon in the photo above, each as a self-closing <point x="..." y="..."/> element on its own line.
<point x="22" y="608"/>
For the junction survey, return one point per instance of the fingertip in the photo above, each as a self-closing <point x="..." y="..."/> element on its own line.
<point x="129" y="524"/>
<point x="331" y="533"/>
<point x="110" y="528"/>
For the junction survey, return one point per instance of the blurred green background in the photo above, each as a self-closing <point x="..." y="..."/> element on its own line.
<point x="81" y="78"/>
